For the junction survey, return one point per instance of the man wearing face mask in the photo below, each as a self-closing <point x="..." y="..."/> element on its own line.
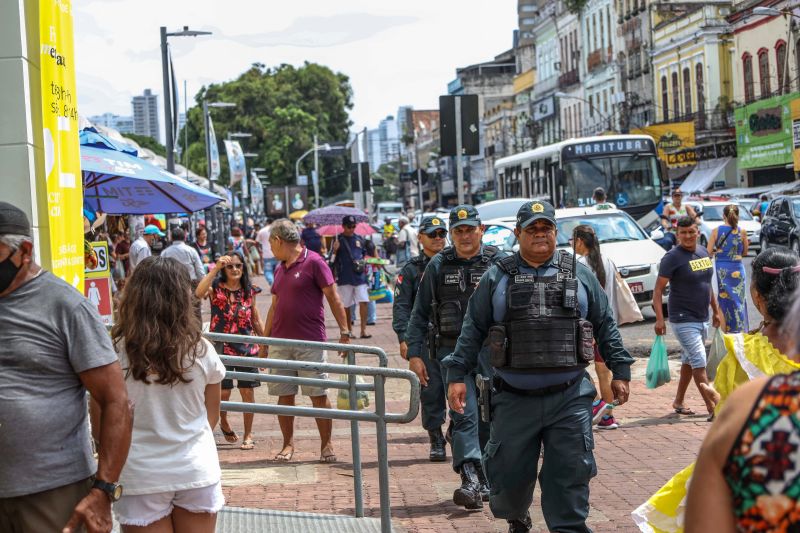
<point x="540" y="312"/>
<point x="142" y="247"/>
<point x="53" y="348"/>
<point x="445" y="287"/>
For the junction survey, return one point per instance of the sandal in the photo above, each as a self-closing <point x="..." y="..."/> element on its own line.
<point x="327" y="456"/>
<point x="230" y="436"/>
<point x="366" y="336"/>
<point x="284" y="457"/>
<point x="248" y="444"/>
<point x="711" y="417"/>
<point x="684" y="411"/>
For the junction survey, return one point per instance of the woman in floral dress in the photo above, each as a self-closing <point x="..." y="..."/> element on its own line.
<point x="234" y="311"/>
<point x="727" y="245"/>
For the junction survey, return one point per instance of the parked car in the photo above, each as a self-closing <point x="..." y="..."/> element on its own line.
<point x="505" y="208"/>
<point x="621" y="238"/>
<point x="711" y="218"/>
<point x="781" y="225"/>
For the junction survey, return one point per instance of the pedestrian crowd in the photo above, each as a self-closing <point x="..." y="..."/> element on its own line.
<point x="500" y="343"/>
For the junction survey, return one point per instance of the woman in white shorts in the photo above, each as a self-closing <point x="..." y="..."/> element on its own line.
<point x="171" y="480"/>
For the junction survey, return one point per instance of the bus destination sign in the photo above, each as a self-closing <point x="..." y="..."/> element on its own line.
<point x="609" y="147"/>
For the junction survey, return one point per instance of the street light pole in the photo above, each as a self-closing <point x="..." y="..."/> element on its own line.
<point x="315" y="177"/>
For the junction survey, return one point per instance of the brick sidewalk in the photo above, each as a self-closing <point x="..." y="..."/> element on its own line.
<point x="651" y="445"/>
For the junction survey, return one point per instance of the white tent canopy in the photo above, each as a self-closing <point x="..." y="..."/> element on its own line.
<point x="703" y="175"/>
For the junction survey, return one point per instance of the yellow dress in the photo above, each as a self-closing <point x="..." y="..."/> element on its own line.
<point x="749" y="356"/>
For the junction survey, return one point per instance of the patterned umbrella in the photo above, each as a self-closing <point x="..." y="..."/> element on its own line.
<point x="333" y="215"/>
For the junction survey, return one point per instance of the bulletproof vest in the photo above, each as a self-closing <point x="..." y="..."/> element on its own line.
<point x="543" y="329"/>
<point x="455" y="284"/>
<point x="420" y="262"/>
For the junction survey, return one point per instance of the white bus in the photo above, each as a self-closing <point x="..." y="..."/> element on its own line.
<point x="568" y="172"/>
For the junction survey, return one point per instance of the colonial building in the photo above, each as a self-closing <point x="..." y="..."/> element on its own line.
<point x="634" y="44"/>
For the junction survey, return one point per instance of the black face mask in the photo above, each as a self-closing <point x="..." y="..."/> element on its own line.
<point x="8" y="271"/>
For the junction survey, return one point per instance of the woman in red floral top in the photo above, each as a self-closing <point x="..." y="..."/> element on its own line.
<point x="234" y="311"/>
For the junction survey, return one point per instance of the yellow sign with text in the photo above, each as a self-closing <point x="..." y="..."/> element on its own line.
<point x="671" y="138"/>
<point x="795" y="109"/>
<point x="62" y="161"/>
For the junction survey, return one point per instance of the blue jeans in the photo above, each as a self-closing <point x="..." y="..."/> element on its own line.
<point x="692" y="336"/>
<point x="269" y="270"/>
<point x="372" y="312"/>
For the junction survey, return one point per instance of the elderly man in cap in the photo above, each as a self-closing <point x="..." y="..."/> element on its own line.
<point x="53" y="348"/>
<point x="541" y="312"/>
<point x="350" y="269"/>
<point x="445" y="288"/>
<point x="141" y="247"/>
<point x="407" y="242"/>
<point x="432" y="235"/>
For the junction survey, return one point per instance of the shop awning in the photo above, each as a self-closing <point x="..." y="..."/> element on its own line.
<point x="703" y="175"/>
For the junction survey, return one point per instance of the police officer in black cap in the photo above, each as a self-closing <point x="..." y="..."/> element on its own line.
<point x="447" y="284"/>
<point x="432" y="237"/>
<point x="540" y="312"/>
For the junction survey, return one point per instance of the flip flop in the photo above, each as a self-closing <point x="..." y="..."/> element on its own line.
<point x="230" y="436"/>
<point x="327" y="458"/>
<point x="284" y="457"/>
<point x="711" y="417"/>
<point x="684" y="411"/>
<point x="366" y="336"/>
<point x="248" y="444"/>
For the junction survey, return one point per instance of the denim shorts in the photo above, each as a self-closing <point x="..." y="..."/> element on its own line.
<point x="692" y="336"/>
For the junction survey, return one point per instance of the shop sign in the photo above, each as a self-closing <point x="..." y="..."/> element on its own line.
<point x="764" y="136"/>
<point x="672" y="137"/>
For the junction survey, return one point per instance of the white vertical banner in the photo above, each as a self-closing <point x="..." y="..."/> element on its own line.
<point x="257" y="194"/>
<point x="213" y="149"/>
<point x="237" y="165"/>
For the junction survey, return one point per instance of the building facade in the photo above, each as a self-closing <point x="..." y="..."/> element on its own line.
<point x="145" y="115"/>
<point x="634" y="38"/>
<point x="109" y="120"/>
<point x="601" y="84"/>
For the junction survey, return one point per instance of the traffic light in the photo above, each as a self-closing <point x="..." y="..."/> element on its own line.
<point x="366" y="182"/>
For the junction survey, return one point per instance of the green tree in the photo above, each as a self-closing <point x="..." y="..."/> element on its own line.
<point x="148" y="142"/>
<point x="282" y="107"/>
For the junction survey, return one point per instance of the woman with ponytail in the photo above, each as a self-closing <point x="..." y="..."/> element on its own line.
<point x="585" y="243"/>
<point x="765" y="351"/>
<point x="727" y="245"/>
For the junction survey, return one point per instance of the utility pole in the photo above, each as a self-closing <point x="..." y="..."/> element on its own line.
<point x="315" y="177"/>
<point x="168" y="140"/>
<point x="459" y="150"/>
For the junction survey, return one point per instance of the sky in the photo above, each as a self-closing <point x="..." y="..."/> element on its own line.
<point x="395" y="53"/>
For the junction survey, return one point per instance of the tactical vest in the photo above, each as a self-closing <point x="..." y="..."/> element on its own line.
<point x="542" y="330"/>
<point x="455" y="284"/>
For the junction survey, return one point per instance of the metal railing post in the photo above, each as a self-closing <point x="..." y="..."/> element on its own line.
<point x="383" y="455"/>
<point x="358" y="484"/>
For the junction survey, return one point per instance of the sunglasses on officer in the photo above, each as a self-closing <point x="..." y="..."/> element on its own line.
<point x="439" y="234"/>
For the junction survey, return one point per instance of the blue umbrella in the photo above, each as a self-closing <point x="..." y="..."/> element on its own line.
<point x="333" y="215"/>
<point x="118" y="182"/>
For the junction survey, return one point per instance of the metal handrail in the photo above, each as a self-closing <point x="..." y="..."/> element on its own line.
<point x="380" y="417"/>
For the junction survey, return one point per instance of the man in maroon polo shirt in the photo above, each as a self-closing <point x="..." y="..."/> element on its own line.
<point x="297" y="311"/>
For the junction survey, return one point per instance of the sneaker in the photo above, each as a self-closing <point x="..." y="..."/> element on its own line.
<point x="599" y="410"/>
<point x="607" y="422"/>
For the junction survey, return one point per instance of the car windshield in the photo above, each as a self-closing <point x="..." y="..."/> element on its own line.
<point x="629" y="180"/>
<point x="713" y="213"/>
<point x="613" y="227"/>
<point x="500" y="236"/>
<point x="500" y="209"/>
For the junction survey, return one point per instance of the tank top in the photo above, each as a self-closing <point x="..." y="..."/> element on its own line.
<point x="763" y="467"/>
<point x="675" y="213"/>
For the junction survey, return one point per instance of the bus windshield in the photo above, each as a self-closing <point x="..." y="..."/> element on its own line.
<point x="629" y="180"/>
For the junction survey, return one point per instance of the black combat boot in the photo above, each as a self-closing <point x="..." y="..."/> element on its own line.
<point x="468" y="495"/>
<point x="520" y="526"/>
<point x="483" y="483"/>
<point x="438" y="454"/>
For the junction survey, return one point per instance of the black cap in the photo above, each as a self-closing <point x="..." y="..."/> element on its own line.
<point x="464" y="215"/>
<point x="349" y="220"/>
<point x="431" y="225"/>
<point x="13" y="221"/>
<point x="530" y="212"/>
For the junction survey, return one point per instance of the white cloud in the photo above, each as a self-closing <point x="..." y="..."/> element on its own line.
<point x="395" y="53"/>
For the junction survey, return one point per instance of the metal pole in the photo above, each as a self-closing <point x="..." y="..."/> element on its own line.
<point x="383" y="455"/>
<point x="360" y="185"/>
<point x="419" y="175"/>
<point x="211" y="223"/>
<point x="167" y="103"/>
<point x="315" y="177"/>
<point x="785" y="87"/>
<point x="459" y="169"/>
<point x="185" y="128"/>
<point x="354" y="436"/>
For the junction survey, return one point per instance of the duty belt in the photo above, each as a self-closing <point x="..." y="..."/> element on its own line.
<point x="500" y="385"/>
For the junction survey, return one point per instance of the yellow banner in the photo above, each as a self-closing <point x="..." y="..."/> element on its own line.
<point x="795" y="109"/>
<point x="62" y="160"/>
<point x="670" y="138"/>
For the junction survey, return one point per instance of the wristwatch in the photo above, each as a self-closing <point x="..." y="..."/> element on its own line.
<point x="346" y="334"/>
<point x="114" y="492"/>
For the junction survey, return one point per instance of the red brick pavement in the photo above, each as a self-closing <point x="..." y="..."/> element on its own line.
<point x="651" y="445"/>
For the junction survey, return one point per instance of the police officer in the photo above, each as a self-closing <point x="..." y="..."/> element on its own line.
<point x="447" y="284"/>
<point x="432" y="236"/>
<point x="540" y="312"/>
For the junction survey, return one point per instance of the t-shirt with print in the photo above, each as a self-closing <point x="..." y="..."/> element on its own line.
<point x="172" y="446"/>
<point x="689" y="275"/>
<point x="343" y="264"/>
<point x="300" y="313"/>
<point x="49" y="333"/>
